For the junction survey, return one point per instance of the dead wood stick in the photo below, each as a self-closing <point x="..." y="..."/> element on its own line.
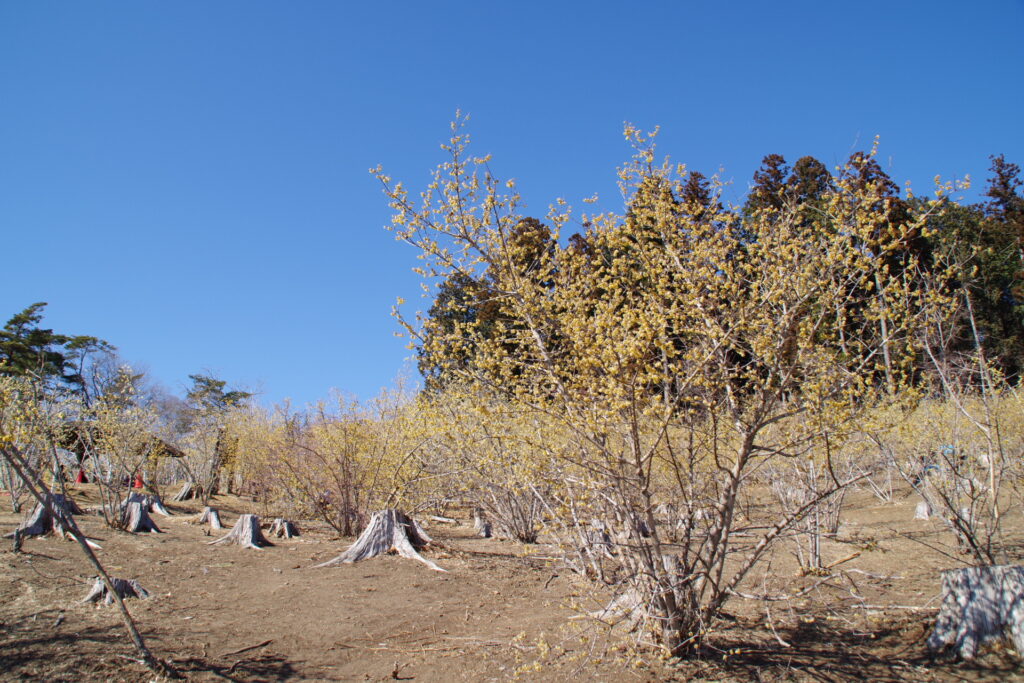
<point x="444" y="520"/>
<point x="880" y="577"/>
<point x="845" y="559"/>
<point x="246" y="649"/>
<point x="882" y="608"/>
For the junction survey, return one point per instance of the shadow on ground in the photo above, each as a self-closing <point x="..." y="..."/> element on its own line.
<point x="894" y="653"/>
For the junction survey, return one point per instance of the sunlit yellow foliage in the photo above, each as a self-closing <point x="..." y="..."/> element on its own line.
<point x="684" y="348"/>
<point x="339" y="461"/>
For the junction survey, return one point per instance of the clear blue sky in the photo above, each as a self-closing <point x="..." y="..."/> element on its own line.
<point x="188" y="179"/>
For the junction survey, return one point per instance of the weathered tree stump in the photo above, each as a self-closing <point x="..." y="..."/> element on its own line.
<point x="481" y="525"/>
<point x="40" y="522"/>
<point x="210" y="516"/>
<point x="979" y="605"/>
<point x="149" y="501"/>
<point x="282" y="528"/>
<point x="597" y="539"/>
<point x="923" y="510"/>
<point x="156" y="505"/>
<point x="245" y="533"/>
<point x="126" y="588"/>
<point x="187" y="492"/>
<point x="388" y="530"/>
<point x="135" y="519"/>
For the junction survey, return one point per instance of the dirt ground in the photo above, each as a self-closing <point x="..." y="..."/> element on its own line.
<point x="500" y="612"/>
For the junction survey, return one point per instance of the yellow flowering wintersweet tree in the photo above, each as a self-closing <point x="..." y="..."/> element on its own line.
<point x="495" y="456"/>
<point x="679" y="348"/>
<point x="23" y="427"/>
<point x="338" y="460"/>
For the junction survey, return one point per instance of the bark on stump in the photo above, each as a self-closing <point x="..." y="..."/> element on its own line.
<point x="597" y="539"/>
<point x="388" y="530"/>
<point x="150" y="502"/>
<point x="126" y="588"/>
<point x="480" y="524"/>
<point x="188" y="491"/>
<point x="156" y="505"/>
<point x="282" y="528"/>
<point x="136" y="519"/>
<point x="245" y="533"/>
<point x="210" y="516"/>
<point x="40" y="522"/>
<point x="979" y="605"/>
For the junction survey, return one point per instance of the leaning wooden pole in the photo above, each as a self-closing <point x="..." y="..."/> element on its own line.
<point x="43" y="495"/>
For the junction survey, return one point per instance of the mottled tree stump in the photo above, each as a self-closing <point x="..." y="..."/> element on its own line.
<point x="979" y="605"/>
<point x="187" y="492"/>
<point x="135" y="519"/>
<point x="923" y="510"/>
<point x="156" y="505"/>
<point x="245" y="533"/>
<point x="40" y="522"/>
<point x="210" y="516"/>
<point x="150" y="502"/>
<point x="126" y="588"/>
<point x="282" y="528"/>
<point x="388" y="530"/>
<point x="598" y="540"/>
<point x="481" y="525"/>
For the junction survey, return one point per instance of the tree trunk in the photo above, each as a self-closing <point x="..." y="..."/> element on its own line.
<point x="245" y="533"/>
<point x="388" y="530"/>
<point x="40" y="522"/>
<point x="211" y="516"/>
<point x="156" y="505"/>
<point x="136" y="519"/>
<point x="187" y="492"/>
<point x="480" y="524"/>
<point x="282" y="528"/>
<point x="149" y="502"/>
<point x="979" y="605"/>
<point x="597" y="540"/>
<point x="126" y="588"/>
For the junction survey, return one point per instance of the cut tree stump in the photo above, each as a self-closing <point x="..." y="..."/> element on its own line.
<point x="480" y="524"/>
<point x="151" y="503"/>
<point x="245" y="533"/>
<point x="40" y="522"/>
<point x="126" y="588"/>
<point x="210" y="516"/>
<point x="597" y="539"/>
<point x="282" y="528"/>
<point x="156" y="505"/>
<point x="388" y="530"/>
<point x="136" y="519"/>
<point x="979" y="605"/>
<point x="923" y="510"/>
<point x="187" y="492"/>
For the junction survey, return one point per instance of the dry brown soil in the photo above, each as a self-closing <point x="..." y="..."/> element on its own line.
<point x="500" y="612"/>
